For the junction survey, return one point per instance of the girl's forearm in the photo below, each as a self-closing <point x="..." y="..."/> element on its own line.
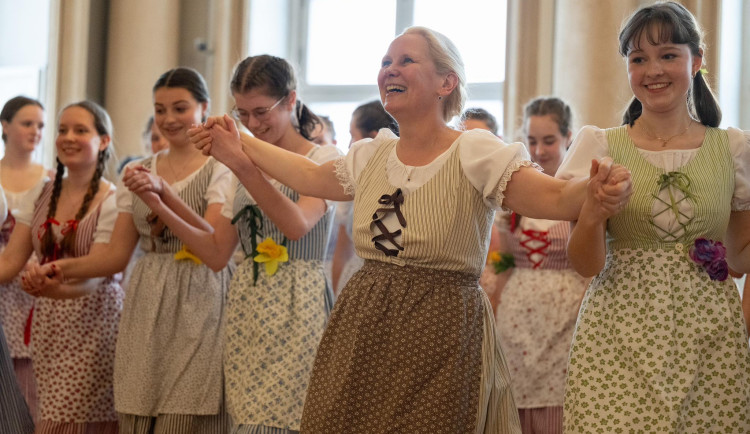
<point x="202" y="243"/>
<point x="181" y="209"/>
<point x="75" y="289"/>
<point x="294" y="219"/>
<point x="93" y="265"/>
<point x="104" y="259"/>
<point x="587" y="246"/>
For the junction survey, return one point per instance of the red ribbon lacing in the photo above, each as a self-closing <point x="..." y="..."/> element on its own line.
<point x="70" y="226"/>
<point x="540" y="236"/>
<point x="7" y="228"/>
<point x="44" y="227"/>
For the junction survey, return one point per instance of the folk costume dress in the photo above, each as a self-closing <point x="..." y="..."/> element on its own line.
<point x="73" y="341"/>
<point x="14" y="414"/>
<point x="411" y="344"/>
<point x="659" y="346"/>
<point x="536" y="316"/>
<point x="15" y="304"/>
<point x="275" y="321"/>
<point x="168" y="369"/>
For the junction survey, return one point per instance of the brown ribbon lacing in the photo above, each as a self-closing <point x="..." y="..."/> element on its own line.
<point x="395" y="199"/>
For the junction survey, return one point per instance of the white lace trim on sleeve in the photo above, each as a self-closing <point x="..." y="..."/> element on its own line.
<point x="503" y="183"/>
<point x="343" y="175"/>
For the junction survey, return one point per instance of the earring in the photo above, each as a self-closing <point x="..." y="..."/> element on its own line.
<point x="439" y="98"/>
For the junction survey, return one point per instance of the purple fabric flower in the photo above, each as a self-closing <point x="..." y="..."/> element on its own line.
<point x="705" y="251"/>
<point x="711" y="256"/>
<point x="717" y="270"/>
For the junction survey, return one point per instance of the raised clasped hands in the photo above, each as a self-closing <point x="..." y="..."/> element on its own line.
<point x="144" y="184"/>
<point x="609" y="189"/>
<point x="217" y="137"/>
<point x="42" y="280"/>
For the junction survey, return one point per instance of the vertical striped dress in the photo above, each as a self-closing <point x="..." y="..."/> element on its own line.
<point x="73" y="341"/>
<point x="274" y="324"/>
<point x="411" y="345"/>
<point x="168" y="365"/>
<point x="659" y="346"/>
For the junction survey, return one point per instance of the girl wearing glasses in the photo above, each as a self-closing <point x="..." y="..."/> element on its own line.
<point x="277" y="312"/>
<point x="168" y="364"/>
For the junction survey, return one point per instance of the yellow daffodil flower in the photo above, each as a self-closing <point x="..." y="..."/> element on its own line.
<point x="184" y="253"/>
<point x="271" y="254"/>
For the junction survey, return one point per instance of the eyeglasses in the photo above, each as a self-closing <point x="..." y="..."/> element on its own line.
<point x="261" y="113"/>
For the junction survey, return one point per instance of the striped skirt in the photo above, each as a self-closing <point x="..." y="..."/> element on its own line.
<point x="542" y="420"/>
<point x="174" y="424"/>
<point x="410" y="349"/>
<point x="27" y="382"/>
<point x="14" y="415"/>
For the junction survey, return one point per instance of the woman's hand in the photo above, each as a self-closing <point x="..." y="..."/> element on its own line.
<point x="226" y="145"/>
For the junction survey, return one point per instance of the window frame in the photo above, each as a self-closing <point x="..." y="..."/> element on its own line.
<point x="313" y="93"/>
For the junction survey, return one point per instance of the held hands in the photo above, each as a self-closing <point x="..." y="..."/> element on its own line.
<point x="218" y="137"/>
<point x="42" y="280"/>
<point x="200" y="135"/>
<point x="143" y="183"/>
<point x="609" y="189"/>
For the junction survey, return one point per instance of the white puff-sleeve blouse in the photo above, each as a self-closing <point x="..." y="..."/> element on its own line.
<point x="487" y="162"/>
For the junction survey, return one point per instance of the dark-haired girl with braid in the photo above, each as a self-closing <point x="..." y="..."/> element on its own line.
<point x="168" y="366"/>
<point x="660" y="344"/>
<point x="74" y="325"/>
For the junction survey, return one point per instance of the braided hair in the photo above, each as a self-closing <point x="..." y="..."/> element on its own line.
<point x="50" y="249"/>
